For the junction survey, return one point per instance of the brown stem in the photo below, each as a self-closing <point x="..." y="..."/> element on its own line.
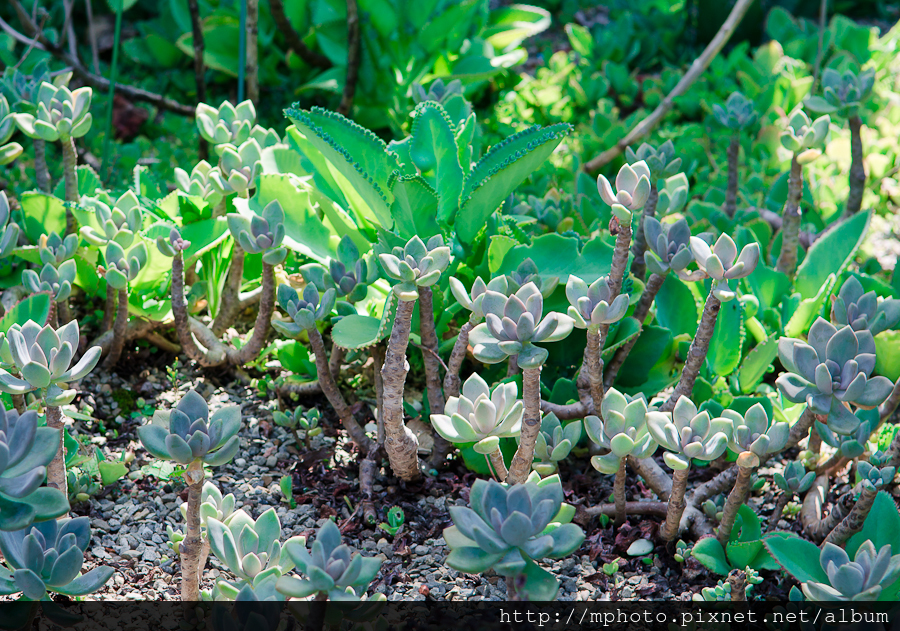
<point x="336" y="360"/>
<point x="512" y="593"/>
<point x="499" y="465"/>
<point x="367" y="469"/>
<point x="229" y="301"/>
<point x="252" y="67"/>
<point x="857" y="168"/>
<point x="257" y="340"/>
<point x="620" y="256"/>
<point x="512" y="366"/>
<point x="353" y="59"/>
<point x="641" y="311"/>
<point x="853" y="522"/>
<point x="638" y="265"/>
<point x="19" y="402"/>
<point x="70" y="161"/>
<point x="619" y="494"/>
<point x="655" y="509"/>
<point x="182" y="320"/>
<point x="734" y="151"/>
<point x="52" y="317"/>
<point x="780" y="504"/>
<point x="835" y="462"/>
<point x="204" y="557"/>
<point x="400" y="443"/>
<point x="520" y="466"/>
<point x="566" y="411"/>
<point x="56" y="471"/>
<point x="191" y="545"/>
<point x="311" y="57"/>
<point x="886" y="409"/>
<point x="592" y="363"/>
<point x="738" y="581"/>
<point x="432" y="361"/>
<point x="378" y="357"/>
<point x="676" y="505"/>
<point x="735" y="499"/>
<point x="199" y="67"/>
<point x="119" y="328"/>
<point x="814" y="525"/>
<point x="109" y="309"/>
<point x="452" y="381"/>
<point x="790" y="221"/>
<point x="41" y="172"/>
<point x="719" y="484"/>
<point x="800" y="429"/>
<point x="697" y="352"/>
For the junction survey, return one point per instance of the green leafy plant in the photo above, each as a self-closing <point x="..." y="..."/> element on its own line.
<point x="395" y="520"/>
<point x="554" y="443"/>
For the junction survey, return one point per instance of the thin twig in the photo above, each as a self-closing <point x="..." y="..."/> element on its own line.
<point x="311" y="57"/>
<point x="353" y="58"/>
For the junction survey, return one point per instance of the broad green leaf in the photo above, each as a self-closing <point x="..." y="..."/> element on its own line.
<point x="710" y="553"/>
<point x="432" y="148"/>
<point x="769" y="286"/>
<point x="728" y="338"/>
<point x="110" y="472"/>
<point x="881" y="527"/>
<point x="830" y="254"/>
<point x="798" y="557"/>
<point x="35" y="307"/>
<point x="557" y="255"/>
<point x="650" y="347"/>
<point x="887" y="354"/>
<point x="497" y="250"/>
<point x="756" y="363"/>
<point x="42" y="214"/>
<point x="675" y="307"/>
<point x="359" y="331"/>
<point x="808" y="309"/>
<point x="415" y="208"/>
<point x="88" y="182"/>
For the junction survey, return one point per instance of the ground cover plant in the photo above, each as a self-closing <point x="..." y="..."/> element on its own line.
<point x="448" y="300"/>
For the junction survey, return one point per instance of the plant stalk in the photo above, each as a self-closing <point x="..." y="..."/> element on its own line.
<point x="121" y="324"/>
<point x="432" y="362"/>
<point x="620" y="256"/>
<point x="641" y="311"/>
<point x="521" y="463"/>
<point x="853" y="522"/>
<point x="731" y="192"/>
<point x="56" y="471"/>
<point x="593" y="364"/>
<point x="400" y="443"/>
<point x="619" y="494"/>
<point x="638" y="265"/>
<point x="857" y="168"/>
<point x="41" y="172"/>
<point x="70" y="162"/>
<point x="775" y="517"/>
<point x="452" y="381"/>
<point x="676" y="506"/>
<point x="229" y="301"/>
<point x="109" y="309"/>
<point x="499" y="465"/>
<point x="790" y="221"/>
<point x="192" y="544"/>
<point x="735" y="499"/>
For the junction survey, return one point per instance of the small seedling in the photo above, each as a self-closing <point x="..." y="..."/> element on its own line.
<point x="395" y="520"/>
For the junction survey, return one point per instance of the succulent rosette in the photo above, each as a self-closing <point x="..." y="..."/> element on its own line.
<point x="480" y="416"/>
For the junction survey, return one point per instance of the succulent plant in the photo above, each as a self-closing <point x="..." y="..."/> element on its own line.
<point x="858" y="580"/>
<point x="198" y="182"/>
<point x="227" y="124"/>
<point x="480" y="416"/>
<point x="668" y="247"/>
<point x="60" y="113"/>
<point x="12" y="150"/>
<point x="863" y="310"/>
<point x="415" y="265"/>
<point x="795" y="479"/>
<point x="174" y="244"/>
<point x="830" y="371"/>
<point x="842" y="93"/>
<point x="805" y="138"/>
<point x="471" y="300"/>
<point x="875" y="473"/>
<point x="349" y="274"/>
<point x="192" y="434"/>
<point x="47" y="558"/>
<point x="118" y="221"/>
<point x="688" y="434"/>
<point x="9" y="232"/>
<point x="514" y="324"/>
<point x="621" y="428"/>
<point x="508" y="528"/>
<point x="632" y="190"/>
<point x="673" y="194"/>
<point x="438" y="91"/>
<point x="213" y="506"/>
<point x="754" y="433"/>
<point x="42" y="356"/>
<point x="124" y="266"/>
<point x="55" y="281"/>
<point x="553" y="211"/>
<point x="307" y="420"/>
<point x="237" y="169"/>
<point x="330" y="567"/>
<point x="737" y="114"/>
<point x="554" y="443"/>
<point x="527" y="272"/>
<point x="25" y="452"/>
<point x="304" y="312"/>
<point x="591" y="305"/>
<point x="54" y="250"/>
<point x="851" y="445"/>
<point x="661" y="160"/>
<point x="722" y="263"/>
<point x="721" y="592"/>
<point x="261" y="233"/>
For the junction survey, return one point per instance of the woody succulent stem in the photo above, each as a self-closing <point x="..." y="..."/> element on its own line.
<point x="432" y="362"/>
<point x="180" y="314"/>
<point x="191" y="545"/>
<point x="229" y="301"/>
<point x="620" y="255"/>
<point x="498" y="465"/>
<point x="109" y="308"/>
<point x="593" y="362"/>
<point x="780" y="505"/>
<point x="734" y="151"/>
<point x="676" y="506"/>
<point x="857" y="169"/>
<point x="736" y="498"/>
<point x="41" y="173"/>
<point x="697" y="352"/>
<point x="531" y="426"/>
<point x="119" y="328"/>
<point x="800" y="429"/>
<point x="790" y="221"/>
<point x="641" y="311"/>
<point x="853" y="523"/>
<point x="638" y="266"/>
<point x="70" y="161"/>
<point x="399" y="442"/>
<point x="56" y="471"/>
<point x="457" y="355"/>
<point x="619" y="494"/>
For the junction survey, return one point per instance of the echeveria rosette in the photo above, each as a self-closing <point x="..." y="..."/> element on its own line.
<point x="304" y="311"/>
<point x="193" y="435"/>
<point x="349" y="274"/>
<point x="621" y="428"/>
<point x="668" y="246"/>
<point x="795" y="479"/>
<point x="59" y="113"/>
<point x="528" y="272"/>
<point x="237" y="169"/>
<point x="213" y="505"/>
<point x="514" y="324"/>
<point x="661" y="160"/>
<point x="117" y="221"/>
<point x="417" y="264"/>
<point x="480" y="416"/>
<point x="805" y="138"/>
<point x="859" y="580"/>
<point x="174" y="244"/>
<point x="227" y="124"/>
<point x="43" y="356"/>
<point x="554" y="443"/>
<point x="737" y="114"/>
<point x="198" y="182"/>
<point x="330" y="567"/>
<point x="591" y="305"/>
<point x="842" y="92"/>
<point x="876" y="474"/>
<point x="688" y="435"/>
<point x="508" y="528"/>
<point x="632" y="190"/>
<point x="754" y="436"/>
<point x="47" y="557"/>
<point x="260" y="233"/>
<point x="124" y="266"/>
<point x="52" y="280"/>
<point x="830" y="371"/>
<point x="850" y="445"/>
<point x="471" y="300"/>
<point x="9" y="232"/>
<point x="55" y="250"/>
<point x="722" y="263"/>
<point x="860" y="310"/>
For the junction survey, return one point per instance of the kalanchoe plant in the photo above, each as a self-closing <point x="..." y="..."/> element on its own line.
<point x="9" y="151"/>
<point x="859" y="580"/>
<point x="632" y="190"/>
<point x="737" y="115"/>
<point x="300" y="419"/>
<point x="198" y="182"/>
<point x="349" y="274"/>
<point x="228" y="124"/>
<point x="482" y="417"/>
<point x="850" y="445"/>
<point x="193" y="438"/>
<point x="621" y="428"/>
<point x="28" y="450"/>
<point x="261" y="233"/>
<point x="551" y="212"/>
<point x="56" y="281"/>
<point x="54" y="250"/>
<point x="873" y="474"/>
<point x="508" y="528"/>
<point x="686" y="435"/>
<point x="415" y="265"/>
<point x="831" y="370"/>
<point x="47" y="557"/>
<point x="331" y="568"/>
<point x="554" y="443"/>
<point x="9" y="232"/>
<point x="238" y="168"/>
<point x="863" y="310"/>
<point x="304" y="312"/>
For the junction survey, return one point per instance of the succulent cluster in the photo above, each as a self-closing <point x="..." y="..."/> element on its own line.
<point x="842" y="93"/>
<point x="9" y="232"/>
<point x="737" y="114"/>
<point x="228" y="124"/>
<point x="9" y="151"/>
<point x="198" y="182"/>
<point x="688" y="435"/>
<point x="673" y="194"/>
<point x="349" y="274"/>
<point x="261" y="233"/>
<point x="60" y="113"/>
<point x="56" y="281"/>
<point x="471" y="300"/>
<point x="668" y="247"/>
<point x="192" y="434"/>
<point x="805" y="138"/>
<point x="117" y="221"/>
<point x="47" y="558"/>
<point x="876" y="473"/>
<point x="554" y="443"/>
<point x="832" y="369"/>
<point x="304" y="312"/>
<point x="55" y="250"/>
<point x="795" y="479"/>
<point x="415" y="265"/>
<point x="174" y="244"/>
<point x="721" y="261"/>
<point x="307" y="420"/>
<point x="632" y="190"/>
<point x="621" y="428"/>
<point x="754" y="435"/>
<point x="480" y="416"/>
<point x="862" y="310"/>
<point x="860" y="579"/>
<point x="593" y="305"/>
<point x="238" y="168"/>
<point x="123" y="266"/>
<point x="528" y="272"/>
<point x="662" y="161"/>
<point x="553" y="210"/>
<point x="851" y="444"/>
